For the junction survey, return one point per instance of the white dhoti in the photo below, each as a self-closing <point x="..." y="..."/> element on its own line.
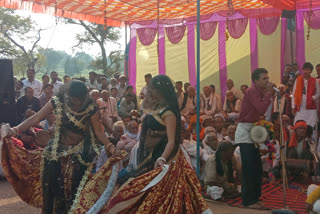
<point x="316" y="205"/>
<point x="243" y="133"/>
<point x="310" y="116"/>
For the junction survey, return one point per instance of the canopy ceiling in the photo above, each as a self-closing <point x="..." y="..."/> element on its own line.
<point x="120" y="11"/>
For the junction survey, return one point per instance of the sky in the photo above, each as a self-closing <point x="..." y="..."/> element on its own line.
<point x="62" y="36"/>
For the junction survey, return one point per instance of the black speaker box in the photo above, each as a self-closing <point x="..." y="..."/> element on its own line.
<point x="7" y="93"/>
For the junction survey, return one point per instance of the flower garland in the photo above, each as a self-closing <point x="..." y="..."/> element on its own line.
<point x="57" y="125"/>
<point x="80" y="188"/>
<point x="268" y="125"/>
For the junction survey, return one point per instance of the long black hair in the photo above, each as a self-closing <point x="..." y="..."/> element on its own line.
<point x="75" y="88"/>
<point x="164" y="86"/>
<point x="223" y="147"/>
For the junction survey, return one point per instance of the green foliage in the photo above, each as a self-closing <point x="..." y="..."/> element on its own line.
<point x="15" y="33"/>
<point x="97" y="34"/>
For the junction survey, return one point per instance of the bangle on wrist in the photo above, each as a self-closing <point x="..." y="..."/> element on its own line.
<point x="16" y="129"/>
<point x="108" y="146"/>
<point x="162" y="159"/>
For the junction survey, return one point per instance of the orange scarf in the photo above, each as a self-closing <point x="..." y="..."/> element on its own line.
<point x="293" y="140"/>
<point x="310" y="92"/>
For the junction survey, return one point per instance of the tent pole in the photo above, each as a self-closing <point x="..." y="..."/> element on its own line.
<point x="125" y="49"/>
<point x="198" y="88"/>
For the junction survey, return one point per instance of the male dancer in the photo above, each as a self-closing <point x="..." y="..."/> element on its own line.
<point x="255" y="103"/>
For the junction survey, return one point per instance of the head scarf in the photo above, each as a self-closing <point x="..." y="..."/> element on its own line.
<point x="293" y="140"/>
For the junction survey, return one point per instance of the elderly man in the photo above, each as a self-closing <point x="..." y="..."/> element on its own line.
<point x="238" y="94"/>
<point x="190" y="102"/>
<point x="32" y="82"/>
<point x="27" y="105"/>
<point x="210" y="101"/>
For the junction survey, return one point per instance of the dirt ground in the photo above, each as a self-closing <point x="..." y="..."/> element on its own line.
<point x="10" y="203"/>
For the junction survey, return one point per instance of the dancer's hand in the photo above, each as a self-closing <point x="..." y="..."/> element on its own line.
<point x="116" y="152"/>
<point x="159" y="163"/>
<point x="309" y="207"/>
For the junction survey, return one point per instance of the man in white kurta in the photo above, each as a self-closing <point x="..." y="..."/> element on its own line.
<point x="306" y="109"/>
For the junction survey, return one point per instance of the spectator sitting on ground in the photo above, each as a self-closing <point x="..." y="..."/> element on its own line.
<point x="28" y="104"/>
<point x="113" y="83"/>
<point x="231" y="130"/>
<point x="219" y="126"/>
<point x="104" y="85"/>
<point x="233" y="106"/>
<point x="220" y="168"/>
<point x="129" y="139"/>
<point x="46" y="95"/>
<point x="210" y="143"/>
<point x="19" y="89"/>
<point x="95" y="95"/>
<point x="114" y="92"/>
<point x="122" y="86"/>
<point x="108" y="110"/>
<point x="126" y="106"/>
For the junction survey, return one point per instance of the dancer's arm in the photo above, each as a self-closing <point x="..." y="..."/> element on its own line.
<point x="36" y="118"/>
<point x="99" y="131"/>
<point x="170" y="122"/>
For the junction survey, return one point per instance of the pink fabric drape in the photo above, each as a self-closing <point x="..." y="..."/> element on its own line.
<point x="253" y="44"/>
<point x="175" y="34"/>
<point x="314" y="21"/>
<point x="267" y="25"/>
<point x="191" y="56"/>
<point x="161" y="57"/>
<point x="222" y="59"/>
<point x="237" y="27"/>
<point x="132" y="58"/>
<point x="207" y="30"/>
<point x="146" y="35"/>
<point x="283" y="43"/>
<point x="300" y="52"/>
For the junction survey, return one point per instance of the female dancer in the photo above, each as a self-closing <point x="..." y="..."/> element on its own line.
<point x="160" y="180"/>
<point x="65" y="163"/>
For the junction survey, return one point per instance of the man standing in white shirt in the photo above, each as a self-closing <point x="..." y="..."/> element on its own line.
<point x="305" y="95"/>
<point x="92" y="83"/>
<point x="54" y="81"/>
<point x="32" y="82"/>
<point x="238" y="94"/>
<point x="108" y="110"/>
<point x="210" y="101"/>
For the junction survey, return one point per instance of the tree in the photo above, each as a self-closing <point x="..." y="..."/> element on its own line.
<point x="115" y="62"/>
<point x="97" y="34"/>
<point x="54" y="58"/>
<point x="17" y="32"/>
<point x="83" y="59"/>
<point x="71" y="66"/>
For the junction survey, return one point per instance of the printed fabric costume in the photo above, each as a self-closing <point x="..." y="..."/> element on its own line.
<point x="70" y="187"/>
<point x="50" y="178"/>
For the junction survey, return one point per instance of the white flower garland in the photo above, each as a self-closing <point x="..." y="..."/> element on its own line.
<point x="80" y="188"/>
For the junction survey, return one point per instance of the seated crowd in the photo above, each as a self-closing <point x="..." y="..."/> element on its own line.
<point x="121" y="113"/>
